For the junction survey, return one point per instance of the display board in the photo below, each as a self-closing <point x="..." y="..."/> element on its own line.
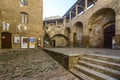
<point x="17" y="39"/>
<point x="31" y="42"/>
<point x="24" y="42"/>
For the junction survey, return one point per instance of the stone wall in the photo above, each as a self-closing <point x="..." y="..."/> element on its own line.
<point x="60" y="41"/>
<point x="55" y="29"/>
<point x="102" y="14"/>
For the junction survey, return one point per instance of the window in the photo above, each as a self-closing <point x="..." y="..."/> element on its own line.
<point x="46" y="27"/>
<point x="24" y="17"/>
<point x="52" y="24"/>
<point x="23" y="2"/>
<point x="58" y="26"/>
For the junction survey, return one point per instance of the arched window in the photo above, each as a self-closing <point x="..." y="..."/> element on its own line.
<point x="24" y="17"/>
<point x="23" y="2"/>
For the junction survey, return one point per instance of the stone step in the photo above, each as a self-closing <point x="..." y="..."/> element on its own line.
<point x="80" y="75"/>
<point x="93" y="73"/>
<point x="114" y="59"/>
<point x="101" y="69"/>
<point x="102" y="63"/>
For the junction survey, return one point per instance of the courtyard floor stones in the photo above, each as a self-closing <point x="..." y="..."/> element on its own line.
<point x="31" y="64"/>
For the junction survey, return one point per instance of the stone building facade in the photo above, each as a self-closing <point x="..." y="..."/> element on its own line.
<point x="92" y="24"/>
<point x="21" y="23"/>
<point x="54" y="32"/>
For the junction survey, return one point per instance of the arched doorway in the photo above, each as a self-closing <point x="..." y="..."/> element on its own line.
<point x="67" y="34"/>
<point x="100" y="28"/>
<point x="109" y="33"/>
<point x="75" y="40"/>
<point x="59" y="40"/>
<point x="6" y="41"/>
<point x="78" y="34"/>
<point x="47" y="41"/>
<point x="54" y="43"/>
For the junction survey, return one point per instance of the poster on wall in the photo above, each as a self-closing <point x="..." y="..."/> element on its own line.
<point x="31" y="42"/>
<point x="38" y="42"/>
<point x="16" y="39"/>
<point x="24" y="42"/>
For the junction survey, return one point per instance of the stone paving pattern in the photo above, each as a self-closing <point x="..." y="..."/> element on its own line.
<point x="32" y="64"/>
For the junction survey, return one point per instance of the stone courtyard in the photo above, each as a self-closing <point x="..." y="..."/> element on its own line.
<point x="89" y="63"/>
<point x="32" y="64"/>
<point x="36" y="64"/>
<point x="81" y="40"/>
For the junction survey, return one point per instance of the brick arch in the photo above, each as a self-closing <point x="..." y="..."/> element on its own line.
<point x="97" y="23"/>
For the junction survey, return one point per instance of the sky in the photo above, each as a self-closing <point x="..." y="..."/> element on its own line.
<point x="56" y="7"/>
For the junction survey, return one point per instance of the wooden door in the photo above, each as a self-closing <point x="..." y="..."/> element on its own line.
<point x="54" y="43"/>
<point x="109" y="32"/>
<point x="6" y="42"/>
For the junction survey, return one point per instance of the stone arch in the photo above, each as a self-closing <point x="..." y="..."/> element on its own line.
<point x="77" y="31"/>
<point x="67" y="31"/>
<point x="6" y="40"/>
<point x="47" y="41"/>
<point x="99" y="21"/>
<point x="67" y="34"/>
<point x="60" y="40"/>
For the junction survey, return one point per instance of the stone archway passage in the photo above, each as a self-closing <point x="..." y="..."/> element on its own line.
<point x="75" y="39"/>
<point x="109" y="32"/>
<point x="100" y="34"/>
<point x="47" y="41"/>
<point x="78" y="34"/>
<point x="67" y="33"/>
<point x="54" y="43"/>
<point x="6" y="42"/>
<point x="60" y="40"/>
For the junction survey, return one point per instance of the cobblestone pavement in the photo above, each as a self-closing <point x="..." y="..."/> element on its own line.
<point x="32" y="64"/>
<point x="77" y="51"/>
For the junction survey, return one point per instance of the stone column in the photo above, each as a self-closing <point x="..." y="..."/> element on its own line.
<point x="86" y="4"/>
<point x="117" y="25"/>
<point x="76" y="10"/>
<point x="117" y="30"/>
<point x="70" y="14"/>
<point x="71" y="43"/>
<point x="56" y="23"/>
<point x="64" y="21"/>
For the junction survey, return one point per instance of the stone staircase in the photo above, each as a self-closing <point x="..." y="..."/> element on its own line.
<point x="97" y="67"/>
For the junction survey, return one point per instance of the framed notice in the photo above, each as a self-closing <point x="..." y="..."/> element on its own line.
<point x="24" y="42"/>
<point x="17" y="39"/>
